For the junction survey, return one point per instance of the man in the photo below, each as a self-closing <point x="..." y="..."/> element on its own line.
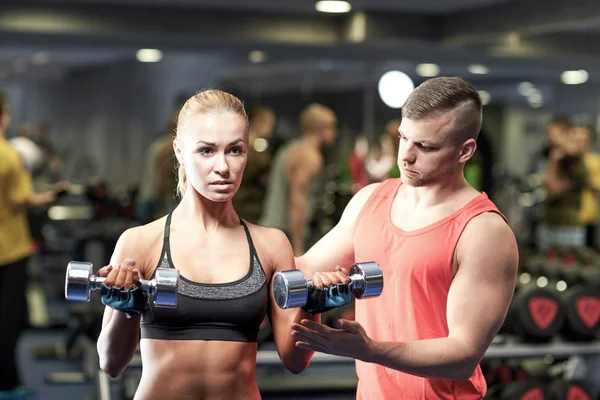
<point x="292" y="191"/>
<point x="449" y="261"/>
<point x="589" y="214"/>
<point x="565" y="178"/>
<point x="16" y="197"/>
<point x="248" y="201"/>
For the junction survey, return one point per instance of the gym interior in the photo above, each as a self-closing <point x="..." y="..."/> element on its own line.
<point x="92" y="87"/>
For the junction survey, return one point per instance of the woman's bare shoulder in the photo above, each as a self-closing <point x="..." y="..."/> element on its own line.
<point x="271" y="243"/>
<point x="139" y="243"/>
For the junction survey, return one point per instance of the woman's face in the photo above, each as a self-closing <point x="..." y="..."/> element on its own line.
<point x="212" y="147"/>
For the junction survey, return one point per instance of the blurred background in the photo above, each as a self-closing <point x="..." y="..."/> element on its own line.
<point x="92" y="86"/>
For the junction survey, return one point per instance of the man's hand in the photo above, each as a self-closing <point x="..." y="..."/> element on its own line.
<point x="557" y="154"/>
<point x="348" y="340"/>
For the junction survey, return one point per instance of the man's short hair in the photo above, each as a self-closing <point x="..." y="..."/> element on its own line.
<point x="313" y="116"/>
<point x="447" y="94"/>
<point x="561" y="121"/>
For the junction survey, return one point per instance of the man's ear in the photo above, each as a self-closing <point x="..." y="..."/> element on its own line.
<point x="467" y="150"/>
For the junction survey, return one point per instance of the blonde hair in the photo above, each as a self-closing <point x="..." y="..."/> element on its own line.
<point x="207" y="101"/>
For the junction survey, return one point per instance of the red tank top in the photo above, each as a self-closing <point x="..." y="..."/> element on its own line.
<point x="417" y="271"/>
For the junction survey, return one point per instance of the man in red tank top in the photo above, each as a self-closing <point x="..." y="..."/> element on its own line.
<point x="449" y="261"/>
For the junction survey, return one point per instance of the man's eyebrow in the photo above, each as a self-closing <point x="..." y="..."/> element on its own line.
<point x="426" y="142"/>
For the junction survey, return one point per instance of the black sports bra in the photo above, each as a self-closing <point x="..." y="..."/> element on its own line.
<point x="224" y="311"/>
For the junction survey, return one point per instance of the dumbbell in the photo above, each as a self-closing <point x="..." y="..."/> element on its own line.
<point x="80" y="281"/>
<point x="291" y="289"/>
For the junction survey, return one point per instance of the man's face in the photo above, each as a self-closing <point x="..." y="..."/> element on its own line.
<point x="427" y="154"/>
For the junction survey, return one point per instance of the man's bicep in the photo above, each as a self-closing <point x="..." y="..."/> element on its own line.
<point x="483" y="287"/>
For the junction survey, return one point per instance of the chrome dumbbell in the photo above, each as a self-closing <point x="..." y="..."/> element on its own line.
<point x="80" y="281"/>
<point x="291" y="289"/>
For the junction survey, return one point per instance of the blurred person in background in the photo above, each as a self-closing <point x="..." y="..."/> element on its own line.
<point x="382" y="159"/>
<point x="357" y="164"/>
<point x="391" y="130"/>
<point x="16" y="196"/>
<point x="564" y="178"/>
<point x="156" y="193"/>
<point x="590" y="210"/>
<point x="293" y="189"/>
<point x="248" y="200"/>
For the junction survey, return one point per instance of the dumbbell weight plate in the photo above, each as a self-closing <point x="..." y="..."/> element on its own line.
<point x="290" y="289"/>
<point x="373" y="280"/>
<point x="77" y="280"/>
<point x="165" y="292"/>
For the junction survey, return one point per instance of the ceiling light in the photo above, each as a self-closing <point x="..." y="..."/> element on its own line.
<point x="428" y="70"/>
<point x="149" y="55"/>
<point x="574" y="77"/>
<point x="333" y="6"/>
<point x="394" y="88"/>
<point x="478" y="69"/>
<point x="526" y="88"/>
<point x="485" y="97"/>
<point x="40" y="58"/>
<point x="257" y="56"/>
<point x="535" y="99"/>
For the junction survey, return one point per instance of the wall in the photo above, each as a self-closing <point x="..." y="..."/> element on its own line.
<point x="103" y="118"/>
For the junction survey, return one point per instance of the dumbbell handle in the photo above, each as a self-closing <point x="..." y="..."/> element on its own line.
<point x="356" y="282"/>
<point x="147" y="285"/>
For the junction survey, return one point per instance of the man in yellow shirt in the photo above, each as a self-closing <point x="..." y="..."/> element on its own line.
<point x="16" y="195"/>
<point x="589" y="214"/>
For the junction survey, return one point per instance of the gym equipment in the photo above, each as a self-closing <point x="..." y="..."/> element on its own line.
<point x="525" y="390"/>
<point x="536" y="313"/>
<point x="571" y="390"/>
<point x="80" y="281"/>
<point x="291" y="289"/>
<point x="574" y="285"/>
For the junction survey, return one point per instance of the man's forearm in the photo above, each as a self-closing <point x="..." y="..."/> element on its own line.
<point x="443" y="358"/>
<point x="555" y="184"/>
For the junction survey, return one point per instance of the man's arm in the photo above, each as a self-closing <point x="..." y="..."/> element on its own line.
<point x="337" y="246"/>
<point x="479" y="298"/>
<point x="555" y="184"/>
<point x="20" y="191"/>
<point x="301" y="169"/>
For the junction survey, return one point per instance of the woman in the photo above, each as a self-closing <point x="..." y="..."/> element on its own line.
<point x="206" y="347"/>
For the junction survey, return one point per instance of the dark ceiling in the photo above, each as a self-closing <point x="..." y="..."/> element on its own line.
<point x="515" y="39"/>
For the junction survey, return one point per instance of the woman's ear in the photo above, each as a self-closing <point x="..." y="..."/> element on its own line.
<point x="177" y="149"/>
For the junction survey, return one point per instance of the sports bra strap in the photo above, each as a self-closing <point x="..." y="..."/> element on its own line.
<point x="166" y="249"/>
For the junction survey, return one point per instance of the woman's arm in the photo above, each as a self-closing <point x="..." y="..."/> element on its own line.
<point x="119" y="336"/>
<point x="281" y="258"/>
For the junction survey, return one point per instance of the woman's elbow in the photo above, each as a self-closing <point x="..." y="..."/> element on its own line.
<point x="111" y="369"/>
<point x="296" y="367"/>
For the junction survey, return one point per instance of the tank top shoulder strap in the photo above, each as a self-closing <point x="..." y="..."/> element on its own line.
<point x="381" y="196"/>
<point x="480" y="205"/>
